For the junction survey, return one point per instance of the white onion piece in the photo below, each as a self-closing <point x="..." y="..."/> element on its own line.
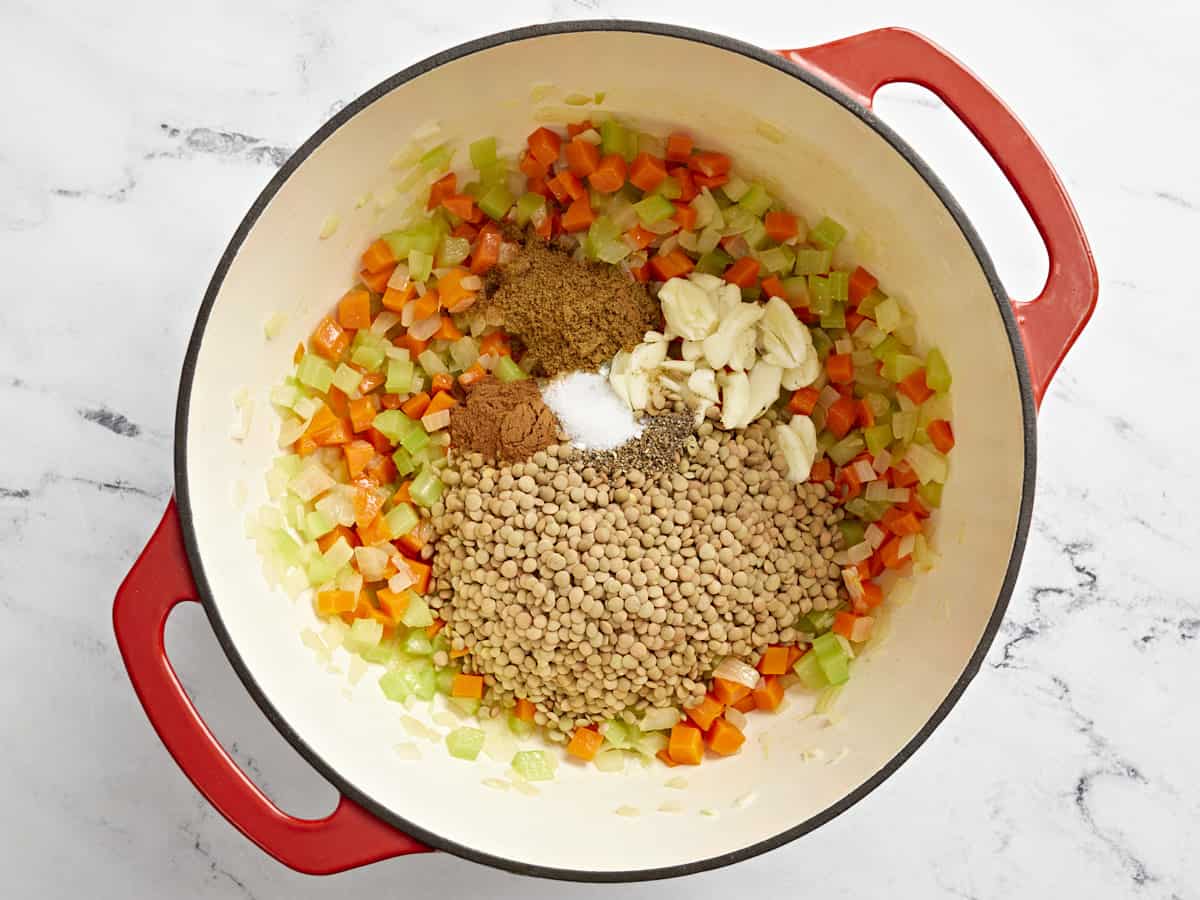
<point x="400" y="277"/>
<point x="839" y="558"/>
<point x="436" y="421"/>
<point x="828" y="396"/>
<point x="384" y="322"/>
<point x="864" y="470"/>
<point x="861" y="629"/>
<point x="736" y="718"/>
<point x="876" y="491"/>
<point x="401" y="580"/>
<point x="372" y="561"/>
<point x="844" y="345"/>
<point x="733" y="669"/>
<point x="859" y="552"/>
<point x="899" y="495"/>
<point x="853" y="583"/>
<point x="874" y="535"/>
<point x="659" y="719"/>
<point x="883" y="459"/>
<point x="408" y="314"/>
<point x="463" y="304"/>
<point x="290" y="429"/>
<point x="906" y="545"/>
<point x="488" y="361"/>
<point x="471" y="283"/>
<point x="422" y="287"/>
<point x="426" y="328"/>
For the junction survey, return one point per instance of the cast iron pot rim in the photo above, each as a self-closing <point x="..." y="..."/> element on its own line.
<point x="343" y="115"/>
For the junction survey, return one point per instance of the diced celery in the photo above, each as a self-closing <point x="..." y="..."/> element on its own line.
<point x="670" y="188"/>
<point x="852" y="531"/>
<point x="831" y="657"/>
<point x="404" y="461"/>
<point x="822" y="621"/>
<point x="414" y="678"/>
<point x="393" y="424"/>
<point x="294" y="511"/>
<point x="284" y="548"/>
<point x="827" y="234"/>
<point x="426" y="488"/>
<point x="928" y="464"/>
<point x="492" y="175"/>
<point x="878" y="437"/>
<point x="887" y="348"/>
<point x="654" y="209"/>
<point x="847" y="448"/>
<point x="819" y="294"/>
<point x="417" y="644"/>
<point x="401" y="519"/>
<point x="888" y="315"/>
<point x="369" y="356"/>
<point x="507" y="370"/>
<point x="519" y="727"/>
<point x="436" y="159"/>
<point x="821" y="342"/>
<point x="777" y="259"/>
<point x="868" y="304"/>
<point x="417" y="439"/>
<point x="315" y="372"/>
<point x="738" y="221"/>
<point x="468" y="706"/>
<point x="809" y="671"/>
<point x="756" y="200"/>
<point x="483" y="152"/>
<point x="931" y="494"/>
<point x="839" y="284"/>
<point x="714" y="262"/>
<point x="616" y="138"/>
<point x="465" y="742"/>
<point x="795" y="290"/>
<point x="497" y="201"/>
<point x="756" y="235"/>
<point x="533" y="765"/>
<point x="320" y="571"/>
<point x="937" y="373"/>
<point x="613" y="251"/>
<point x="453" y="251"/>
<point x="904" y="424"/>
<point x="527" y="206"/>
<point x="384" y="653"/>
<point x="812" y="262"/>
<point x="752" y="292"/>
<point x="899" y="366"/>
<point x="735" y="188"/>
<point x="420" y="265"/>
<point x="317" y="524"/>
<point x="880" y="406"/>
<point x="444" y="679"/>
<point x="416" y="614"/>
<point x="286" y="394"/>
<point x="346" y="379"/>
<point x="835" y="318"/>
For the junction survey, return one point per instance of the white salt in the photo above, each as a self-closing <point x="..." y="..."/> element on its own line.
<point x="590" y="412"/>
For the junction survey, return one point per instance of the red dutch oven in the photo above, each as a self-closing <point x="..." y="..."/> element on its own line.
<point x="801" y="120"/>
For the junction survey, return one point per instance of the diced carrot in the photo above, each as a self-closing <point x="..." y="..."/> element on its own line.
<point x="665" y="757"/>
<point x="329" y="339"/>
<point x="840" y="417"/>
<point x="327" y="540"/>
<point x="821" y="470"/>
<point x="862" y="283"/>
<point x="866" y="415"/>
<point x="444" y="187"/>
<point x="432" y="631"/>
<point x="544" y="144"/>
<point x="358" y="454"/>
<point x="524" y="710"/>
<point x="774" y="660"/>
<point x="377" y="281"/>
<point x="640" y="237"/>
<point x="849" y="477"/>
<point x="840" y="368"/>
<point x="725" y="738"/>
<point x="781" y="226"/>
<point x="392" y="401"/>
<point x="609" y="175"/>
<point x="441" y="400"/>
<point x="890" y="554"/>
<point x="420" y="572"/>
<point x="579" y="216"/>
<point x="415" y="406"/>
<point x="743" y="272"/>
<point x="709" y="164"/>
<point x="558" y="188"/>
<point x="686" y="745"/>
<point x="376" y="530"/>
<point x="570" y="187"/>
<point x="378" y="256"/>
<point x="843" y="624"/>
<point x="582" y="158"/>
<point x="379" y="440"/>
<point x="370" y="382"/>
<point x="451" y="291"/>
<point x="804" y="401"/>
<point x="354" y="309"/>
<point x="402" y="494"/>
<point x="304" y="445"/>
<point x="332" y="603"/>
<point x="642" y="273"/>
<point x="853" y="320"/>
<point x="487" y="249"/>
<point x="941" y="434"/>
<point x="366" y="506"/>
<point x="902" y="475"/>
<point x="872" y="594"/>
<point x="468" y="686"/>
<point x="495" y="343"/>
<point x="531" y="166"/>
<point x="574" y="129"/>
<point x="915" y="506"/>
<point x="394" y="299"/>
<point x="709" y="181"/>
<point x="773" y="287"/>
<point x="472" y="375"/>
<point x="322" y="421"/>
<point x="548" y="226"/>
<point x="392" y="603"/>
<point x="647" y="172"/>
<point x="427" y="305"/>
<point x="901" y="523"/>
<point x="459" y="654"/>
<point x="679" y="147"/>
<point x="769" y="693"/>
<point x="584" y="743"/>
<point x="442" y="381"/>
<point x="362" y="413"/>
<point x="297" y="354"/>
<point x="706" y="711"/>
<point x="416" y="539"/>
<point x="337" y="401"/>
<point x="686" y="216"/>
<point x="461" y="205"/>
<point x="465" y="230"/>
<point x="728" y="692"/>
<point x="914" y="387"/>
<point x="794" y="655"/>
<point x="746" y="704"/>
<point x="671" y="265"/>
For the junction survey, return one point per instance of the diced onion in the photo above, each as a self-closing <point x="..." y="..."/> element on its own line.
<point x="864" y="470"/>
<point x="853" y="583"/>
<point x="426" y="328"/>
<point x="436" y="421"/>
<point x="488" y="361"/>
<point x="431" y="363"/>
<point x="400" y="277"/>
<point x="876" y="491"/>
<point x="844" y="345"/>
<point x="898" y="495"/>
<point x="408" y="314"/>
<point x="659" y="719"/>
<point x="874" y="535"/>
<point x="668" y="245"/>
<point x="906" y="545"/>
<point x="861" y="629"/>
<point x="858" y="553"/>
<point x="338" y="505"/>
<point x="883" y="459"/>
<point x="471" y="283"/>
<point x="290" y="429"/>
<point x="828" y="396"/>
<point x="372" y="561"/>
<point x="733" y="669"/>
<point x="384" y="322"/>
<point x="401" y="580"/>
<point x="510" y="251"/>
<point x="861" y="358"/>
<point x="736" y="718"/>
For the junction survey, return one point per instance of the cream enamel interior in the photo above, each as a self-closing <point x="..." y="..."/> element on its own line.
<point x="830" y="163"/>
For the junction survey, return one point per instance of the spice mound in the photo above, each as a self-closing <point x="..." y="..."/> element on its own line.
<point x="594" y="594"/>
<point x="571" y="314"/>
<point x="505" y="421"/>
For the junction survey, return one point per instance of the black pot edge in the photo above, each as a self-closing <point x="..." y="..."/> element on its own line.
<point x="184" y="501"/>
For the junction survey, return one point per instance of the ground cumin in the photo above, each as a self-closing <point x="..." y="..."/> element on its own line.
<point x="503" y="421"/>
<point x="570" y="314"/>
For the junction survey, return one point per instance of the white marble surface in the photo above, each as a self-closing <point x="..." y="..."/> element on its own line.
<point x="134" y="138"/>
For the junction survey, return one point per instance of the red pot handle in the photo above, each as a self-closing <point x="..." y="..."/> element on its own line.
<point x="863" y="63"/>
<point x="348" y="837"/>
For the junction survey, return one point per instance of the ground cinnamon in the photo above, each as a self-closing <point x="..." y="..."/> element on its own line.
<point x="505" y="421"/>
<point x="571" y="314"/>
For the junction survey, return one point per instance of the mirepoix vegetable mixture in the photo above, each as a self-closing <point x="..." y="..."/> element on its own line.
<point x="768" y="329"/>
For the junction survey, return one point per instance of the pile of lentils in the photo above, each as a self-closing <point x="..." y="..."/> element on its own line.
<point x="598" y="594"/>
